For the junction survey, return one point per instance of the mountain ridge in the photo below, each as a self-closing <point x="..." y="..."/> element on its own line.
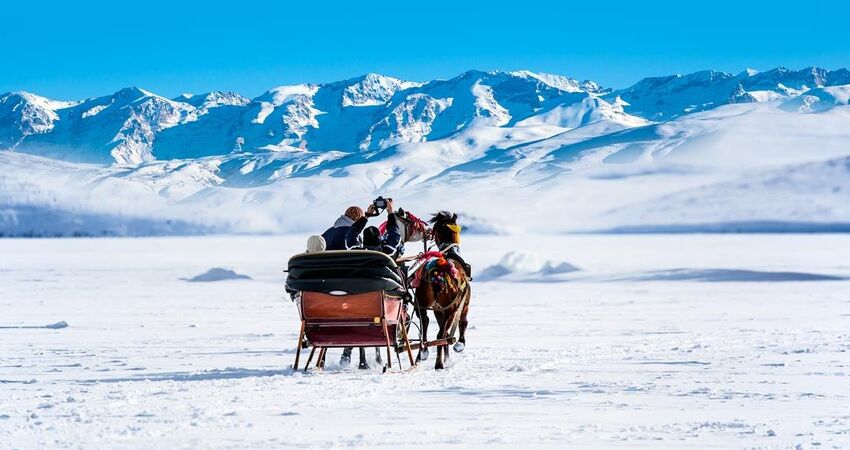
<point x="565" y="151"/>
<point x="364" y="113"/>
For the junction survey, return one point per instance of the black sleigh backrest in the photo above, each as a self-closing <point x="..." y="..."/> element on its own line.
<point x="343" y="271"/>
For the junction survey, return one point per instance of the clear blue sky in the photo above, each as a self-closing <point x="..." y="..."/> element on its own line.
<point x="75" y="49"/>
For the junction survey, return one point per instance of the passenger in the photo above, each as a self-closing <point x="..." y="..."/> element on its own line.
<point x="316" y="244"/>
<point x="335" y="236"/>
<point x="371" y="239"/>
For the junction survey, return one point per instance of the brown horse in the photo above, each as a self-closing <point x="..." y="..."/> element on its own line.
<point x="443" y="287"/>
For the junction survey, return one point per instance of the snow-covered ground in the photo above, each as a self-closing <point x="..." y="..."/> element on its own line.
<point x="676" y="341"/>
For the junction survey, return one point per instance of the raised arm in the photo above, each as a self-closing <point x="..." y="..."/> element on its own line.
<point x="393" y="233"/>
<point x="352" y="237"/>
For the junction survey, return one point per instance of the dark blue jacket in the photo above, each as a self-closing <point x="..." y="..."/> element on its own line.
<point x="390" y="241"/>
<point x="335" y="235"/>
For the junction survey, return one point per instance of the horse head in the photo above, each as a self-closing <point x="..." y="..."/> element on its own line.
<point x="445" y="228"/>
<point x="413" y="229"/>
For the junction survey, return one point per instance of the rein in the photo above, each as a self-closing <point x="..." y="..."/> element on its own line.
<point x="463" y="294"/>
<point x="449" y="247"/>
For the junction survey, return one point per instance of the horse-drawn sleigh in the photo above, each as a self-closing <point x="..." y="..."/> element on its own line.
<point x="363" y="298"/>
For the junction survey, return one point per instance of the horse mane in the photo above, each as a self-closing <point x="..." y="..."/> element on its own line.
<point x="443" y="218"/>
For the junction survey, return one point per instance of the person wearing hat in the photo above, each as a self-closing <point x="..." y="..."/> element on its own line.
<point x="315" y="244"/>
<point x="372" y="239"/>
<point x="335" y="236"/>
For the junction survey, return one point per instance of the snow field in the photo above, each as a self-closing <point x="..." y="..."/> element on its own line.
<point x="149" y="360"/>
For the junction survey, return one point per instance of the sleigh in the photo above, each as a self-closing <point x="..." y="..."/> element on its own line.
<point x="349" y="298"/>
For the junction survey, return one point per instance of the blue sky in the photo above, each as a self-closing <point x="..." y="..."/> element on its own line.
<point x="65" y="51"/>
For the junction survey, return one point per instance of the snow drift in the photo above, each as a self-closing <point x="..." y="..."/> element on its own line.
<point x="525" y="266"/>
<point x="217" y="274"/>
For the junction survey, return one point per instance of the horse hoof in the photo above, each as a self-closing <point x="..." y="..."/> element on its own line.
<point x="363" y="366"/>
<point x="423" y="355"/>
<point x="439" y="367"/>
<point x="458" y="347"/>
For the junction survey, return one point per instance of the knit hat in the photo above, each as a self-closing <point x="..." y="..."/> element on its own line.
<point x="316" y="244"/>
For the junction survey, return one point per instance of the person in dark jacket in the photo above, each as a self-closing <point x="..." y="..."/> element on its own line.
<point x="335" y="235"/>
<point x="359" y="236"/>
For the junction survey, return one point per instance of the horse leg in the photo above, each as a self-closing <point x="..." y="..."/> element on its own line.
<point x="378" y="358"/>
<point x="345" y="360"/>
<point x="447" y="329"/>
<point x="461" y="341"/>
<point x="423" y="350"/>
<point x="363" y="364"/>
<point x="441" y="349"/>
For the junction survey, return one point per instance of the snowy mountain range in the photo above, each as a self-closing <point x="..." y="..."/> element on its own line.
<point x="483" y="142"/>
<point x="372" y="112"/>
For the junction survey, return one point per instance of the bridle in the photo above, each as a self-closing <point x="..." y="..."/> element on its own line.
<point x="413" y="228"/>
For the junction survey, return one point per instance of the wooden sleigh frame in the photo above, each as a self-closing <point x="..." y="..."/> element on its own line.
<point x="371" y="319"/>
